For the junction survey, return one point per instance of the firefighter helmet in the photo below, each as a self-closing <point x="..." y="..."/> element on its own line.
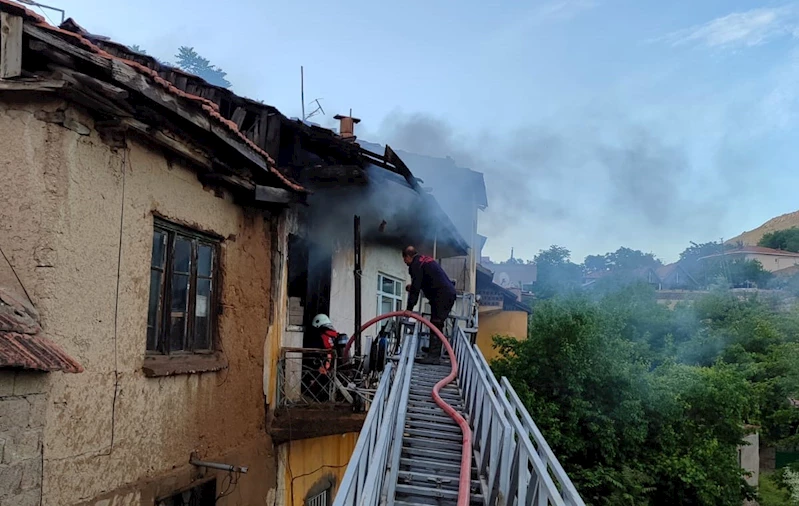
<point x="320" y="321"/>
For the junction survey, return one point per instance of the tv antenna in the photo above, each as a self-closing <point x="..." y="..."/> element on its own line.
<point x="302" y="98"/>
<point x="42" y="6"/>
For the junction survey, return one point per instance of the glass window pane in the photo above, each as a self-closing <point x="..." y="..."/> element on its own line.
<point x="398" y="305"/>
<point x="180" y="298"/>
<point x="202" y="334"/>
<point x="182" y="256"/>
<point x="159" y="249"/>
<point x="386" y="305"/>
<point x="153" y="326"/>
<point x="398" y="289"/>
<point x="379" y="282"/>
<point x="388" y="285"/>
<point x="205" y="259"/>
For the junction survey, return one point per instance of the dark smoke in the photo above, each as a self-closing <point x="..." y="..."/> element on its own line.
<point x="589" y="184"/>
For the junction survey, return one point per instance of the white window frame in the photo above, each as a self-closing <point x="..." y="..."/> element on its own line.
<point x="398" y="299"/>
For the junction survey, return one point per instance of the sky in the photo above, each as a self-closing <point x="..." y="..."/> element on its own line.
<point x="597" y="123"/>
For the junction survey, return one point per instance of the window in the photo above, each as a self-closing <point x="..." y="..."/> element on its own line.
<point x="320" y="499"/>
<point x="183" y="275"/>
<point x="389" y="294"/>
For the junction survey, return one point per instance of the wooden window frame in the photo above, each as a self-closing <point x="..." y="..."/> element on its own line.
<point x="165" y="362"/>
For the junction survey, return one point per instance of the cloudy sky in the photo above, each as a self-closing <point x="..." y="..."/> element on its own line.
<point x="597" y="123"/>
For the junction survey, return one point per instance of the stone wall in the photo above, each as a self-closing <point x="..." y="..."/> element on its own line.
<point x="22" y="414"/>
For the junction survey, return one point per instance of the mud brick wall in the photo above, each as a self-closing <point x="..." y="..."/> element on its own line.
<point x="22" y="414"/>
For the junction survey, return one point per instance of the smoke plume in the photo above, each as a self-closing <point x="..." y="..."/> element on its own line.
<point x="590" y="184"/>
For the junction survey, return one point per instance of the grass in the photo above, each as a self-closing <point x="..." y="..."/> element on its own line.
<point x="770" y="494"/>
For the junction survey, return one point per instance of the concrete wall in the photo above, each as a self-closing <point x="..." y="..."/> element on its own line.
<point x="499" y="323"/>
<point x="310" y="466"/>
<point x="77" y="226"/>
<point x="750" y="458"/>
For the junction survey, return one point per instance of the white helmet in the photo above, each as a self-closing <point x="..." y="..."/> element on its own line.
<point x="321" y="320"/>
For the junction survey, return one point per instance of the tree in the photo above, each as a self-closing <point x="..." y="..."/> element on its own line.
<point x="596" y="263"/>
<point x="786" y="240"/>
<point x="190" y="61"/>
<point x="136" y="48"/>
<point x="626" y="259"/>
<point x="556" y="273"/>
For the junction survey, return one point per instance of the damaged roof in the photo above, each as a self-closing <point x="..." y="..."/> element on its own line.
<point x="185" y="97"/>
<point x="22" y="343"/>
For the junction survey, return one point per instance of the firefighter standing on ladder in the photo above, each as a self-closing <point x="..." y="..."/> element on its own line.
<point x="428" y="277"/>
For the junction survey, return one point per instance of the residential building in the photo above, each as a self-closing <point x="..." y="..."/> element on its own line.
<point x="512" y="275"/>
<point x="674" y="277"/>
<point x="772" y="260"/>
<point x="461" y="193"/>
<point x="501" y="313"/>
<point x="164" y="243"/>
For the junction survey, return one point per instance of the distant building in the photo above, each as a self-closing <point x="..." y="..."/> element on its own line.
<point x="675" y="277"/>
<point x="772" y="260"/>
<point x="510" y="275"/>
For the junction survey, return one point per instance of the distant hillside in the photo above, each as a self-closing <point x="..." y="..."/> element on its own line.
<point x="783" y="222"/>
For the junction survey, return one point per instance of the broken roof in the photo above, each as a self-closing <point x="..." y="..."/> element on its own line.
<point x="22" y="343"/>
<point x="187" y="97"/>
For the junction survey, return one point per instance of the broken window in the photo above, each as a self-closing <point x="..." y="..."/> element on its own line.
<point x="297" y="280"/>
<point x="201" y="495"/>
<point x="183" y="275"/>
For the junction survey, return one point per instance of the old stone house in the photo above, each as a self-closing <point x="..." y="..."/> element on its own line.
<point x="162" y="241"/>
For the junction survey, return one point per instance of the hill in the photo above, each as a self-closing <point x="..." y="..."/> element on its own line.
<point x="783" y="222"/>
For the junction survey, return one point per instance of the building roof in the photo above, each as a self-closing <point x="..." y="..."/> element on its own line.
<point x="754" y="250"/>
<point x="22" y="342"/>
<point x="151" y="79"/>
<point x="509" y="275"/>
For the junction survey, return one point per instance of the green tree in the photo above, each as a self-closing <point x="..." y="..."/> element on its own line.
<point x="190" y="61"/>
<point x="786" y="240"/>
<point x="647" y="406"/>
<point x="137" y="48"/>
<point x="596" y="263"/>
<point x="556" y="272"/>
<point x="626" y="259"/>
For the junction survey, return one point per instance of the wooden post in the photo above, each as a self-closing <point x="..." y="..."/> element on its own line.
<point x="10" y="45"/>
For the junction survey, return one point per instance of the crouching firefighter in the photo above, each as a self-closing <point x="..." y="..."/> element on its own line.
<point x="324" y="338"/>
<point x="428" y="277"/>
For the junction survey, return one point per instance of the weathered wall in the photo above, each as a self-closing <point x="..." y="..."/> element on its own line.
<point x="23" y="400"/>
<point x="77" y="227"/>
<point x="309" y="466"/>
<point x="501" y="323"/>
<point x="750" y="458"/>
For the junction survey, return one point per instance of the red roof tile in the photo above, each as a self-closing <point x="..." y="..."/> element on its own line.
<point x="211" y="108"/>
<point x="22" y="343"/>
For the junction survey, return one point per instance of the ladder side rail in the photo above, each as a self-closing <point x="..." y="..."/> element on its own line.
<point x="376" y="474"/>
<point x="390" y="486"/>
<point x="570" y="492"/>
<point x="529" y="458"/>
<point x="493" y="446"/>
<point x="352" y="482"/>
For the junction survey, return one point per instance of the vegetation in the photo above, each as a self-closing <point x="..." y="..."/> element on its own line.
<point x="786" y="240"/>
<point x="191" y="62"/>
<point x="647" y="406"/>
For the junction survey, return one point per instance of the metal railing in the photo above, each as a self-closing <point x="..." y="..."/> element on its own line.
<point x="512" y="468"/>
<point x="515" y="464"/>
<point x="301" y="380"/>
<point x="365" y="477"/>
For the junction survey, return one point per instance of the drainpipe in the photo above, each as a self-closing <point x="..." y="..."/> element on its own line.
<point x="435" y="247"/>
<point x="357" y="273"/>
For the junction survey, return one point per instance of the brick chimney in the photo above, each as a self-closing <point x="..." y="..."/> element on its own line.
<point x="346" y="128"/>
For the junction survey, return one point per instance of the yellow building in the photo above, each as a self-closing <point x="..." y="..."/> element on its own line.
<point x="501" y="314"/>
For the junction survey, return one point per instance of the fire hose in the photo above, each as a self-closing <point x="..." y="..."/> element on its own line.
<point x="464" y="485"/>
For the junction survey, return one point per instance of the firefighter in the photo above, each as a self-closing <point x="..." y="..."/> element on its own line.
<point x="324" y="338"/>
<point x="428" y="277"/>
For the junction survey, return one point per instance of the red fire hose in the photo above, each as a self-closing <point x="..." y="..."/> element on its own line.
<point x="466" y="451"/>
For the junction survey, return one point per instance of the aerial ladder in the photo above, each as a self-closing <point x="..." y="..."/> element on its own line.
<point x="451" y="434"/>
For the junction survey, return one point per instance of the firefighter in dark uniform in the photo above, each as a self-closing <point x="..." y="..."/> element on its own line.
<point x="428" y="277"/>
